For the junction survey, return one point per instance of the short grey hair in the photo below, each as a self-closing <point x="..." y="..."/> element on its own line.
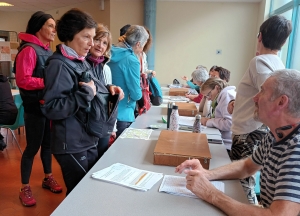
<point x="135" y="34"/>
<point x="287" y="82"/>
<point x="200" y="75"/>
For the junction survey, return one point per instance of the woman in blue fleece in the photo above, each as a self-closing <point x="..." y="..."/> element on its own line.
<point x="125" y="69"/>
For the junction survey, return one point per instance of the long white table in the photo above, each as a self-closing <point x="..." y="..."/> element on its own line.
<point x="93" y="197"/>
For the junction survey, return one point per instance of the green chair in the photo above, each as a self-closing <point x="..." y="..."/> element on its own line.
<point x="19" y="120"/>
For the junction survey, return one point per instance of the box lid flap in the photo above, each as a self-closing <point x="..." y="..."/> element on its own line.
<point x="193" y="145"/>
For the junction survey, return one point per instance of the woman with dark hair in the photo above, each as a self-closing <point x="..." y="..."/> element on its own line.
<point x="29" y="65"/>
<point x="69" y="92"/>
<point x="220" y="72"/>
<point x="98" y="57"/>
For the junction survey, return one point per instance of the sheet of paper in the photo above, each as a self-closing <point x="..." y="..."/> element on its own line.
<point x="176" y="185"/>
<point x="134" y="133"/>
<point x="213" y="138"/>
<point x="213" y="131"/>
<point x="128" y="176"/>
<point x="186" y="123"/>
<point x="186" y="120"/>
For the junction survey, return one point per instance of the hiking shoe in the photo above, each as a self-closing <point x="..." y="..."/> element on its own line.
<point x="51" y="184"/>
<point x="26" y="196"/>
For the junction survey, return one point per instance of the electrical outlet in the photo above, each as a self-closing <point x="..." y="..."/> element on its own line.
<point x="218" y="52"/>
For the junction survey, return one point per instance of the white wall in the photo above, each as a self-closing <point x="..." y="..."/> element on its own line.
<point x="125" y="12"/>
<point x="14" y="21"/>
<point x="188" y="34"/>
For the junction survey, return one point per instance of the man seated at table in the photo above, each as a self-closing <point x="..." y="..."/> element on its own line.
<point x="8" y="109"/>
<point x="277" y="106"/>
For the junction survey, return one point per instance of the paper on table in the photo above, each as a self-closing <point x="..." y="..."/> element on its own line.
<point x="187" y="121"/>
<point x="134" y="133"/>
<point x="176" y="185"/>
<point x="213" y="138"/>
<point x="128" y="176"/>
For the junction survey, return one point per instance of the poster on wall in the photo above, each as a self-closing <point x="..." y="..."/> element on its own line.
<point x="5" y="51"/>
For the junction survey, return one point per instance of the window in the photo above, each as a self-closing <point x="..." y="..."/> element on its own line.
<point x="279" y="3"/>
<point x="295" y="63"/>
<point x="291" y="49"/>
<point x="284" y="50"/>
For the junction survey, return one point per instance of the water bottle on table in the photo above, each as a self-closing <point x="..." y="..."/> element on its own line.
<point x="197" y="124"/>
<point x="174" y="119"/>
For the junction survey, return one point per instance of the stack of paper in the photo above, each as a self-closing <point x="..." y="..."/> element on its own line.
<point x="128" y="176"/>
<point x="186" y="123"/>
<point x="176" y="185"/>
<point x="134" y="133"/>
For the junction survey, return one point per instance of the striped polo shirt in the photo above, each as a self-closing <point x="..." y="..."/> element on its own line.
<point x="280" y="174"/>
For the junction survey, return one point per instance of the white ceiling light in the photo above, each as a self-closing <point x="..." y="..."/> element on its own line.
<point x="4" y="4"/>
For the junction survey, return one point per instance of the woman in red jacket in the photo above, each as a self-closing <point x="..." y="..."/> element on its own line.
<point x="33" y="53"/>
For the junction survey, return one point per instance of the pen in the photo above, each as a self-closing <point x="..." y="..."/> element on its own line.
<point x="141" y="178"/>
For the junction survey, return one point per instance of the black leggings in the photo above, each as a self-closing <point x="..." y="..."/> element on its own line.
<point x="37" y="135"/>
<point x="75" y="166"/>
<point x="102" y="145"/>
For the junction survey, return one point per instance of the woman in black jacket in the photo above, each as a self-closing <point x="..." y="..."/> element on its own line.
<point x="67" y="98"/>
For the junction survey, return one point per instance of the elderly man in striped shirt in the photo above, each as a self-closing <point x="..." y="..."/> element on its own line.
<point x="278" y="156"/>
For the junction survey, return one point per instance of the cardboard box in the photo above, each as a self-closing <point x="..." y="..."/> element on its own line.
<point x="14" y="45"/>
<point x="178" y="91"/>
<point x="187" y="109"/>
<point x="174" y="147"/>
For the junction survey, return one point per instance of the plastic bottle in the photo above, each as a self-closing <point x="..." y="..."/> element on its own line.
<point x="197" y="124"/>
<point x="174" y="119"/>
<point x="170" y="106"/>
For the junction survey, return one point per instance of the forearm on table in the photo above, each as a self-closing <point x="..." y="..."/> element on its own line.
<point x="235" y="170"/>
<point x="233" y="207"/>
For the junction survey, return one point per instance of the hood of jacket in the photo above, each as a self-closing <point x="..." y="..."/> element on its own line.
<point x="229" y="91"/>
<point x="32" y="39"/>
<point x="118" y="53"/>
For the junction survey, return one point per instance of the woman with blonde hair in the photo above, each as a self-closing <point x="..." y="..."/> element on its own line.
<point x="220" y="93"/>
<point x="98" y="57"/>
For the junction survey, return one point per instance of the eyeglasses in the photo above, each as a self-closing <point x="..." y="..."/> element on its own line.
<point x="258" y="34"/>
<point x="208" y="94"/>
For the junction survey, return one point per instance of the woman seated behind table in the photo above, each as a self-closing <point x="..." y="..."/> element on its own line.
<point x="125" y="68"/>
<point x="220" y="93"/>
<point x="199" y="76"/>
<point x="190" y="83"/>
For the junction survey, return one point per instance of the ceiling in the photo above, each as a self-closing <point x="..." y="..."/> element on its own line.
<point x="45" y="5"/>
<point x="36" y="5"/>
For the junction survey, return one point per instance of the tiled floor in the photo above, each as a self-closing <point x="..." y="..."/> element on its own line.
<point x="10" y="182"/>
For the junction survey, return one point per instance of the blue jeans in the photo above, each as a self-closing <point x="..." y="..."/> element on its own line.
<point x="121" y="126"/>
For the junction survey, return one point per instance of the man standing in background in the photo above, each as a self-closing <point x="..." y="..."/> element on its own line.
<point x="246" y="132"/>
